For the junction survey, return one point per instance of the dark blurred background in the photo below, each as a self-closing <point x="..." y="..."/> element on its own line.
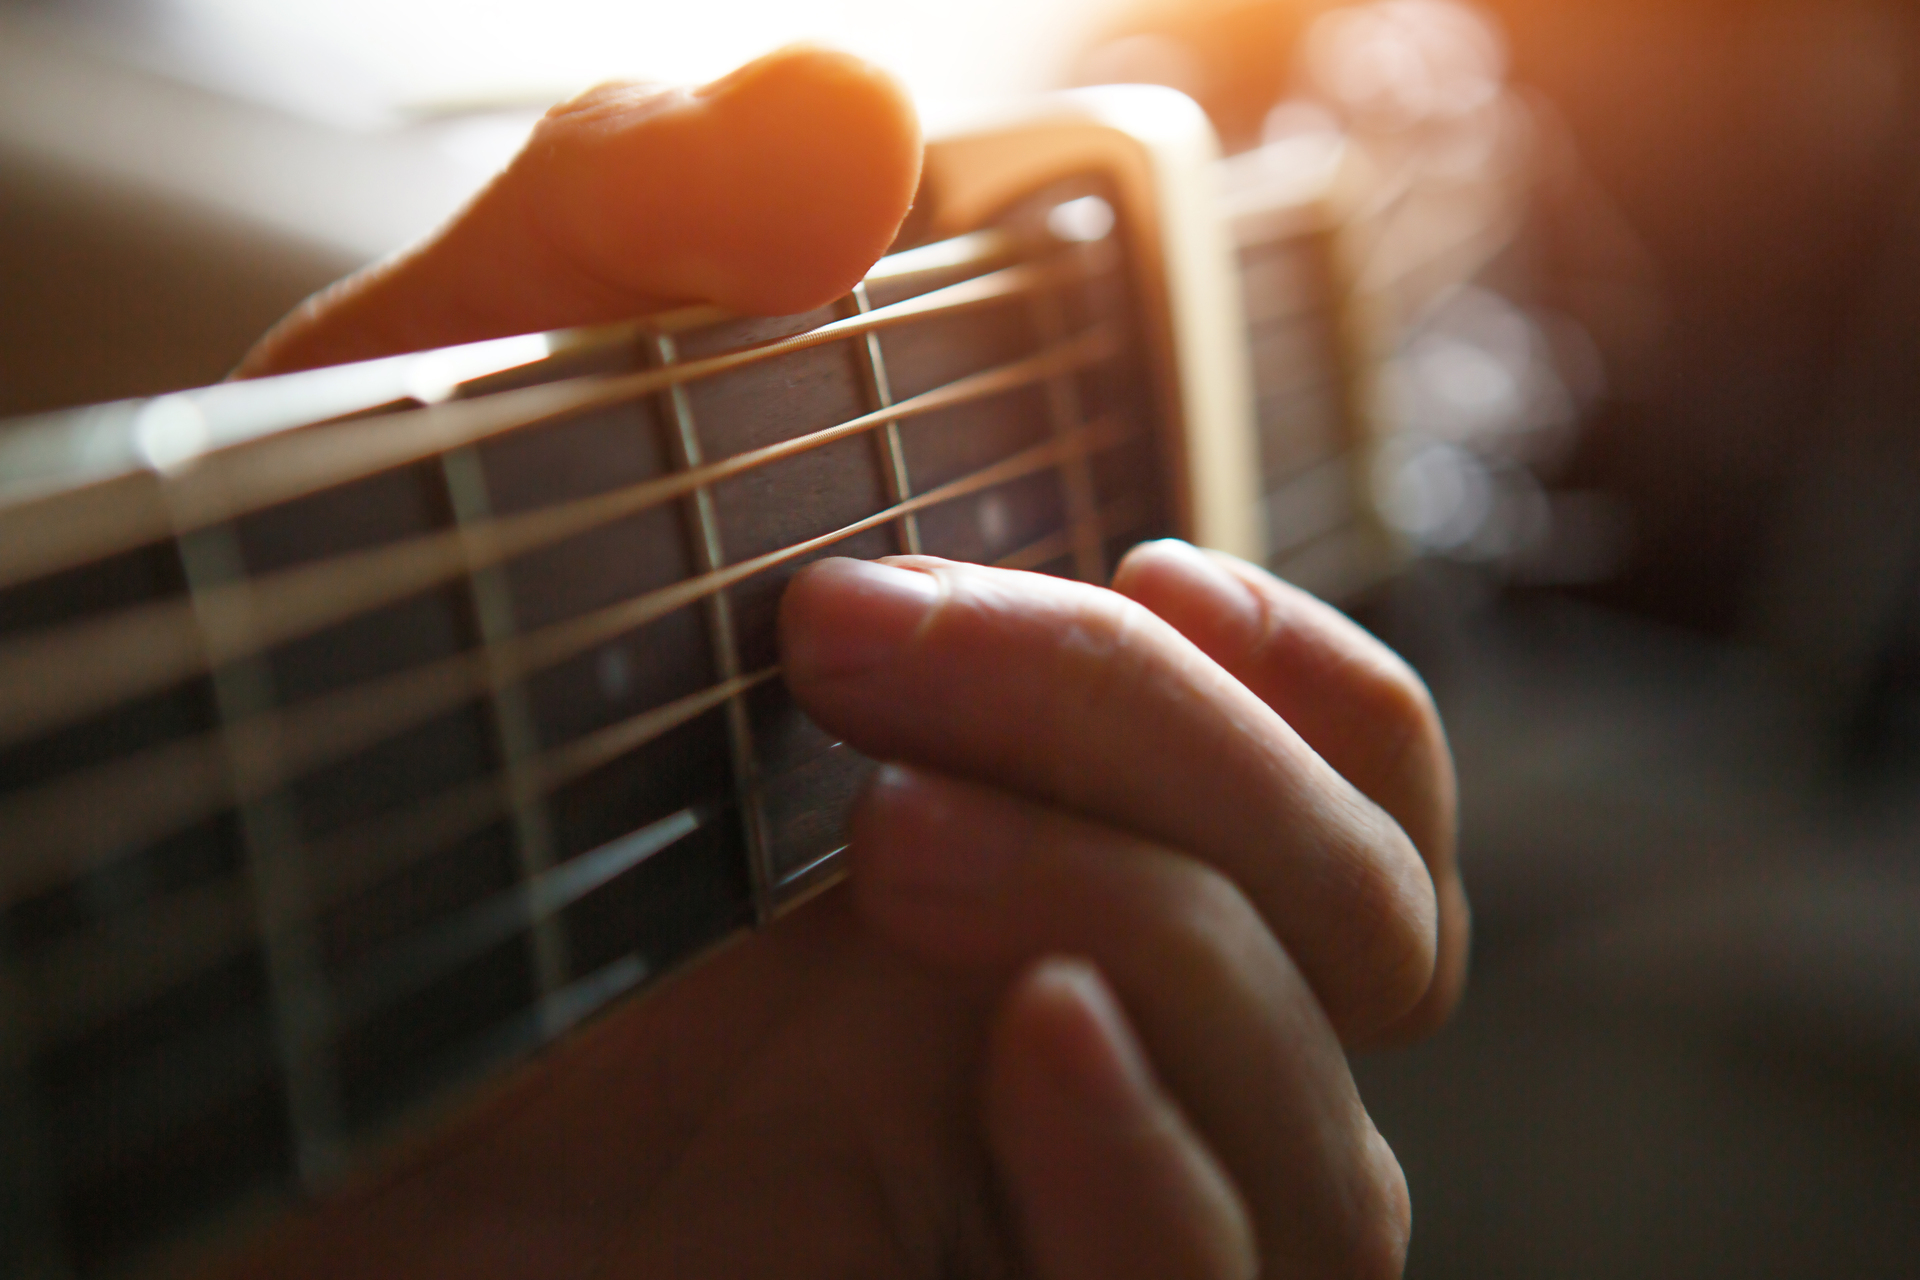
<point x="1691" y="817"/>
<point x="1691" y="772"/>
<point x="1690" y="753"/>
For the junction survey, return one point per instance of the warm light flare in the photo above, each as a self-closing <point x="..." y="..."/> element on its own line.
<point x="427" y="54"/>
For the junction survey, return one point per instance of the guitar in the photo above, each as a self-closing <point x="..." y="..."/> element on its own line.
<point x="363" y="730"/>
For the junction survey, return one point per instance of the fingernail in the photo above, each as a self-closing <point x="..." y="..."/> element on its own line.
<point x="860" y="614"/>
<point x="938" y="836"/>
<point x="1202" y="570"/>
<point x="1093" y="1057"/>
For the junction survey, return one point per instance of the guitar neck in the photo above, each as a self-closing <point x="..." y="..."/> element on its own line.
<point x="363" y="730"/>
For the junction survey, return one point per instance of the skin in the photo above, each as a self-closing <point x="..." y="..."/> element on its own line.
<point x="1145" y="862"/>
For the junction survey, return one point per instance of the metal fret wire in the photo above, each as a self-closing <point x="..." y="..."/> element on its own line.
<point x="146" y="648"/>
<point x="893" y="454"/>
<point x="128" y="511"/>
<point x="710" y="557"/>
<point x="88" y="973"/>
<point x="1065" y="412"/>
<point x="270" y="834"/>
<point x="512" y="715"/>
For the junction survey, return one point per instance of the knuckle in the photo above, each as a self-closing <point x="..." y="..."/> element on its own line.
<point x="1366" y="1228"/>
<point x="1386" y="695"/>
<point x="1391" y="922"/>
<point x="1204" y="920"/>
<point x="1377" y="1248"/>
<point x="1096" y="646"/>
<point x="1101" y="655"/>
<point x="1400" y="698"/>
<point x="1377" y="686"/>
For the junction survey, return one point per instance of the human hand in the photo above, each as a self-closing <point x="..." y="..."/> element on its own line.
<point x="1214" y="800"/>
<point x="768" y="192"/>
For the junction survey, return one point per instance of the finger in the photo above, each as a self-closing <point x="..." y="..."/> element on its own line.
<point x="963" y="875"/>
<point x="767" y="192"/>
<point x="1350" y="697"/>
<point x="1077" y="697"/>
<point x="1107" y="1179"/>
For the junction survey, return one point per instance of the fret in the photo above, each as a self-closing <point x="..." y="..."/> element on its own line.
<point x="65" y="673"/>
<point x="893" y="455"/>
<point x="1064" y="409"/>
<point x="710" y="557"/>
<point x="513" y="719"/>
<point x="272" y="845"/>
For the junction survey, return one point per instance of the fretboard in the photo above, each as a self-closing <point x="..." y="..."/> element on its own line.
<point x="363" y="730"/>
<point x="348" y="760"/>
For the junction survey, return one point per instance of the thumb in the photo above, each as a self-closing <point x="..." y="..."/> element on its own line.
<point x="1106" y="1178"/>
<point x="769" y="191"/>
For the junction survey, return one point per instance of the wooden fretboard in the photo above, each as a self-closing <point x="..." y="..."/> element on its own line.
<point x="362" y="757"/>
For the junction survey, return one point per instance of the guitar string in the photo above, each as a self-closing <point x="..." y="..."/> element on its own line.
<point x="153" y="646"/>
<point x="1048" y="548"/>
<point x="64" y="674"/>
<point x="85" y="980"/>
<point x="208" y="767"/>
<point x="1041" y="552"/>
<point x="167" y="787"/>
<point x="44" y="534"/>
<point x="65" y="450"/>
